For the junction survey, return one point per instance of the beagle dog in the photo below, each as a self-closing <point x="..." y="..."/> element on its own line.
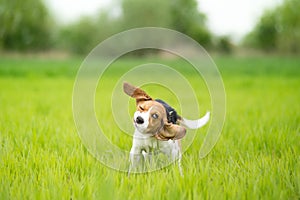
<point x="158" y="128"/>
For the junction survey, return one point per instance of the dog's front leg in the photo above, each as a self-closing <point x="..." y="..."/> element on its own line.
<point x="177" y="155"/>
<point x="135" y="157"/>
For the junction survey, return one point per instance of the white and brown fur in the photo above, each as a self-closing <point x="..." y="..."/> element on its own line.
<point x="154" y="131"/>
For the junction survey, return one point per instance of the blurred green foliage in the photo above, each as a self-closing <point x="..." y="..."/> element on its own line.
<point x="180" y="15"/>
<point x="83" y="35"/>
<point x="27" y="24"/>
<point x="79" y="37"/>
<point x="223" y="44"/>
<point x="278" y="29"/>
<point x="187" y="19"/>
<point x="141" y="13"/>
<point x="24" y="25"/>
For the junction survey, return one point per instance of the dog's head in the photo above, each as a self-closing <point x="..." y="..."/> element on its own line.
<point x="150" y="116"/>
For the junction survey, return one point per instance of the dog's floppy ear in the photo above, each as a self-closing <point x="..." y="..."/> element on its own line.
<point x="171" y="131"/>
<point x="137" y="93"/>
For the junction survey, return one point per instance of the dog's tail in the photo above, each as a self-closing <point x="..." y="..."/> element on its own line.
<point x="195" y="124"/>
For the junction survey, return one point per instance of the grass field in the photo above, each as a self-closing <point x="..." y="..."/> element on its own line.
<point x="257" y="156"/>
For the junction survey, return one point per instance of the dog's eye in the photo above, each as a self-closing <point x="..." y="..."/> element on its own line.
<point x="141" y="108"/>
<point x="155" y="116"/>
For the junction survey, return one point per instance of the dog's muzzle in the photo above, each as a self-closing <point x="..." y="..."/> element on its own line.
<point x="139" y="120"/>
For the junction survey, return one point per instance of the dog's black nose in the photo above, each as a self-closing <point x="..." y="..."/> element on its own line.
<point x="139" y="120"/>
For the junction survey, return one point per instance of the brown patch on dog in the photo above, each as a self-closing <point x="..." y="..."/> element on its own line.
<point x="136" y="93"/>
<point x="171" y="131"/>
<point x="158" y="126"/>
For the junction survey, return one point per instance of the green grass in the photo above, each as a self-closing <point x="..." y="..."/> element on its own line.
<point x="257" y="156"/>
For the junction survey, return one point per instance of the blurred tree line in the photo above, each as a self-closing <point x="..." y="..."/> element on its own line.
<point x="28" y="26"/>
<point x="24" y="25"/>
<point x="278" y="29"/>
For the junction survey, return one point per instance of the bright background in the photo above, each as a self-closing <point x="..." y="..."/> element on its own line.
<point x="232" y="17"/>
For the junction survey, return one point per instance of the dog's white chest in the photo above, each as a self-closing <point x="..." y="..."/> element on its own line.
<point x="147" y="144"/>
<point x="144" y="143"/>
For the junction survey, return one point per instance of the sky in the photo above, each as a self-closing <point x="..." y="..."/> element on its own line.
<point x="224" y="17"/>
